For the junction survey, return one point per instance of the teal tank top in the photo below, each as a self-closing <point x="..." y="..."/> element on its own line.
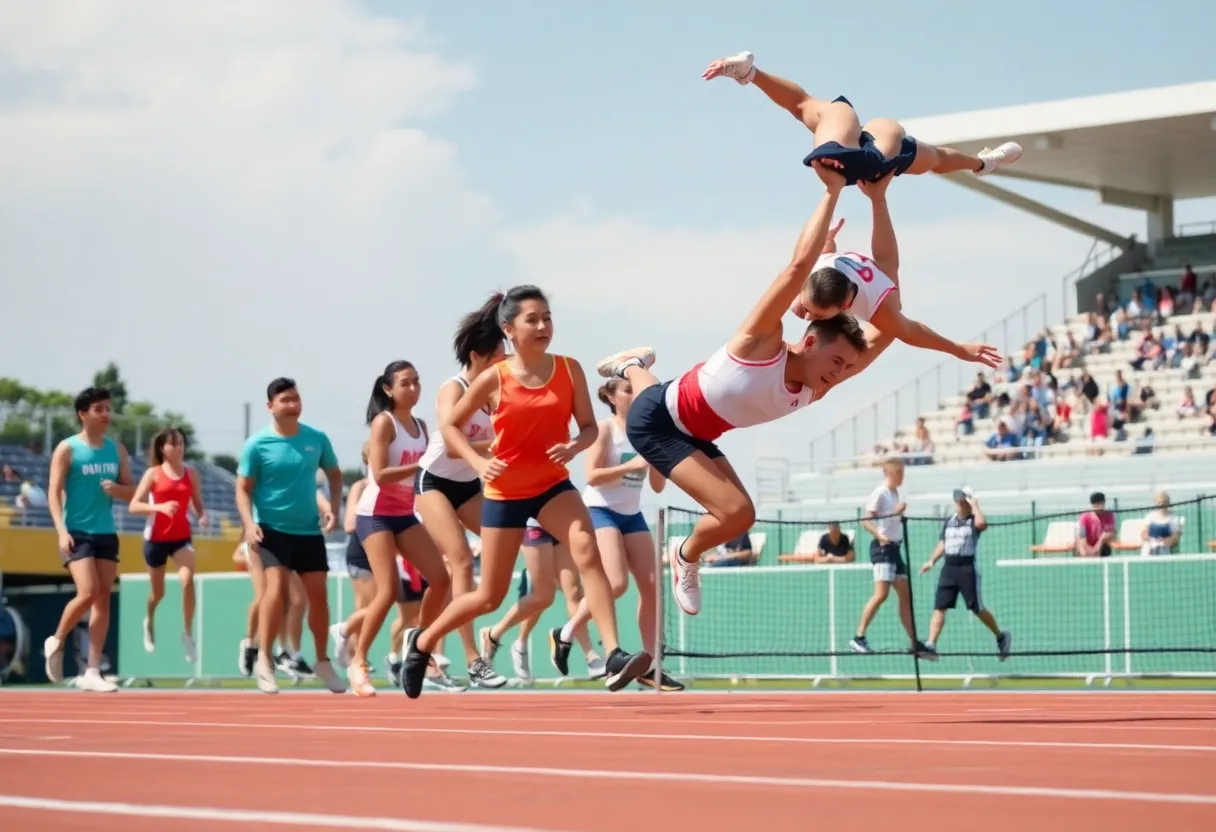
<point x="87" y="508"/>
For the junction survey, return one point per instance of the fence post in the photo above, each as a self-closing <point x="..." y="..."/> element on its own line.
<point x="1199" y="547"/>
<point x="911" y="603"/>
<point x="1034" y="528"/>
<point x="660" y="550"/>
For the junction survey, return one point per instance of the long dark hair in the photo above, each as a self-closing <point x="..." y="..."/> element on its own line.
<point x="380" y="400"/>
<point x="156" y="452"/>
<point x="509" y="304"/>
<point x="608" y="390"/>
<point x="479" y="332"/>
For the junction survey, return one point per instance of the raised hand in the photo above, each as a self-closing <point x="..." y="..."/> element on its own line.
<point x="982" y="354"/>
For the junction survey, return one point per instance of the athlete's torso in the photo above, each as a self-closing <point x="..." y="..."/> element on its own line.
<point x="396" y="498"/>
<point x="166" y="489"/>
<point x="625" y="495"/>
<point x="873" y="284"/>
<point x="436" y="460"/>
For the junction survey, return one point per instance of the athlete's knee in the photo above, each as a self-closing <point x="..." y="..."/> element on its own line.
<point x="881" y="591"/>
<point x="461" y="573"/>
<point x="544" y="593"/>
<point x="156" y="594"/>
<point x="186" y="576"/>
<point x="583" y="547"/>
<point x="738" y="514"/>
<point x="441" y="583"/>
<point x="487" y="600"/>
<point x="619" y="585"/>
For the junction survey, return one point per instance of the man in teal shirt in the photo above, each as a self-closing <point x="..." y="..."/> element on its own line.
<point x="277" y="497"/>
<point x="89" y="471"/>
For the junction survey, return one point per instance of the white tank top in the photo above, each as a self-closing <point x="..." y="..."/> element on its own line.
<point x="725" y="393"/>
<point x="873" y="284"/>
<point x="436" y="460"/>
<point x="625" y="495"/>
<point x="395" y="499"/>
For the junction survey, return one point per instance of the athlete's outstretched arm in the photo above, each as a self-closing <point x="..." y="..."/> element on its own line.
<point x="762" y="327"/>
<point x="884" y="248"/>
<point x="891" y="320"/>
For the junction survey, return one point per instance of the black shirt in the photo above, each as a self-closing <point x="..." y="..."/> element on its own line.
<point x="979" y="391"/>
<point x="838" y="549"/>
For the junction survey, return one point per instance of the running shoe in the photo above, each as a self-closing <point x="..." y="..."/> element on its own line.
<point x="392" y="670"/>
<point x="441" y="682"/>
<point x="246" y="655"/>
<point x="52" y="648"/>
<point x="1003" y="643"/>
<point x="483" y="676"/>
<point x="925" y="651"/>
<point x="614" y="365"/>
<point x="624" y="667"/>
<point x="329" y="677"/>
<point x="686" y="582"/>
<point x="596" y="668"/>
<point x="358" y="674"/>
<point x="189" y="649"/>
<point x="264" y="673"/>
<point x="92" y="680"/>
<point x="413" y="671"/>
<point x="149" y="636"/>
<point x="520" y="661"/>
<point x="559" y="651"/>
<point x="337" y="634"/>
<point x="666" y="683"/>
<point x="995" y="159"/>
<point x="860" y="645"/>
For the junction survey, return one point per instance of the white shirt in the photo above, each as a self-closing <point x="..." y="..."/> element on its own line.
<point x="873" y="284"/>
<point x="624" y="496"/>
<point x="882" y="502"/>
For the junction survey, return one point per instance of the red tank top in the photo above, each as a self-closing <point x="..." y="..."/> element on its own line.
<point x="162" y="528"/>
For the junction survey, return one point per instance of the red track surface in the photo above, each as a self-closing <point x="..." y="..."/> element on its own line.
<point x="558" y="761"/>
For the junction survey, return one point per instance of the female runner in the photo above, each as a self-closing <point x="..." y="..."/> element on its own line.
<point x="385" y="521"/>
<point x="532" y="397"/>
<point x="163" y="493"/>
<point x="449" y="491"/>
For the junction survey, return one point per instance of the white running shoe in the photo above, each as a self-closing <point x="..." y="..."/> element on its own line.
<point x="740" y="67"/>
<point x="596" y="668"/>
<point x="441" y="661"/>
<point x="52" y="648"/>
<point x="686" y="583"/>
<point x="341" y="644"/>
<point x="149" y="638"/>
<point x="614" y="365"/>
<point x="358" y="674"/>
<point x="92" y="680"/>
<point x="263" y="671"/>
<point x="189" y="648"/>
<point x="994" y="160"/>
<point x="324" y="671"/>
<point x="521" y="661"/>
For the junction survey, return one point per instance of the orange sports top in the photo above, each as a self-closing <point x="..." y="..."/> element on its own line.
<point x="527" y="423"/>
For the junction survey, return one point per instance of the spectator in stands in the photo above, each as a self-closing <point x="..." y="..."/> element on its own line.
<point x="1068" y="353"/>
<point x="1192" y="361"/>
<point x="834" y="546"/>
<point x="920" y="452"/>
<point x="1166" y="305"/>
<point x="11" y="474"/>
<point x="1187" y="287"/>
<point x="1149" y="351"/>
<point x="964" y="425"/>
<point x="32" y="496"/>
<point x="1209" y="290"/>
<point x="735" y="552"/>
<point x="980" y="396"/>
<point x="1162" y="528"/>
<point x="1061" y="418"/>
<point x="1008" y="372"/>
<point x="1002" y="445"/>
<point x="1136" y="309"/>
<point x="1099" y="425"/>
<point x="1200" y="339"/>
<point x="1187" y="406"/>
<point x="1119" y="395"/>
<point x="1036" y="429"/>
<point x="1210" y="408"/>
<point x="1089" y="388"/>
<point x="1095" y="529"/>
<point x="1121" y="325"/>
<point x="1145" y="444"/>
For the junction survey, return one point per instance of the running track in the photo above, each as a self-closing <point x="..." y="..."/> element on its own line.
<point x="497" y="762"/>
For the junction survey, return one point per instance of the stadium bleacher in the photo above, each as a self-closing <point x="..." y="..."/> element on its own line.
<point x="217" y="490"/>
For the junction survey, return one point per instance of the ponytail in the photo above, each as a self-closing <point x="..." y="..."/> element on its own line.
<point x="608" y="390"/>
<point x="479" y="332"/>
<point x="380" y="400"/>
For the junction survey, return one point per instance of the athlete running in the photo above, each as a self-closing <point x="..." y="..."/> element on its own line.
<point x="755" y="378"/>
<point x="532" y="397"/>
<point x="860" y="153"/>
<point x="88" y="472"/>
<point x="386" y="524"/>
<point x="164" y="492"/>
<point x="449" y="491"/>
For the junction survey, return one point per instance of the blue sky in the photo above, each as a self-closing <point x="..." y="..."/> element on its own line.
<point x="214" y="195"/>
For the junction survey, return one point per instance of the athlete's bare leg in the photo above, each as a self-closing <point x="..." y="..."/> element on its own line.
<point x="838" y="122"/>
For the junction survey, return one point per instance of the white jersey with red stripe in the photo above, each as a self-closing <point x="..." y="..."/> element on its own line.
<point x="873" y="284"/>
<point x="725" y="392"/>
<point x="395" y="499"/>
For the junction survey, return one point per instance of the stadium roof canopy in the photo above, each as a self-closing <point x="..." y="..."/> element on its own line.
<point x="1159" y="142"/>
<point x="1142" y="149"/>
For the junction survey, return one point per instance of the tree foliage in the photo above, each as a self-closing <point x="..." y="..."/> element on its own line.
<point x="26" y="413"/>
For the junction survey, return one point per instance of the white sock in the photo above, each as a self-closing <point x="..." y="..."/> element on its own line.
<point x="567" y="634"/>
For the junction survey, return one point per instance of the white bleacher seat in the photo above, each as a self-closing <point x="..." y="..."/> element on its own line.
<point x="1060" y="538"/>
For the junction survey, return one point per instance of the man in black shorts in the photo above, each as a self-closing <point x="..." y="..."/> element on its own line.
<point x="960" y="574"/>
<point x="281" y="511"/>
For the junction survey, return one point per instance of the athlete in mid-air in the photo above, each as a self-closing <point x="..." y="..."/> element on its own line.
<point x="755" y="378"/>
<point x="862" y="154"/>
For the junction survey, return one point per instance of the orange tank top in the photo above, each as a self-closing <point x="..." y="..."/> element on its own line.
<point x="527" y="423"/>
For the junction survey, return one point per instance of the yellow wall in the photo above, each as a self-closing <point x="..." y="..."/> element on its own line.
<point x="35" y="552"/>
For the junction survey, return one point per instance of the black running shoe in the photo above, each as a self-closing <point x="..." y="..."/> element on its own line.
<point x="559" y="651"/>
<point x="247" y="656"/>
<point x="301" y="668"/>
<point x="1003" y="643"/>
<point x="666" y="683"/>
<point x="413" y="670"/>
<point x="924" y="651"/>
<point x="624" y="667"/>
